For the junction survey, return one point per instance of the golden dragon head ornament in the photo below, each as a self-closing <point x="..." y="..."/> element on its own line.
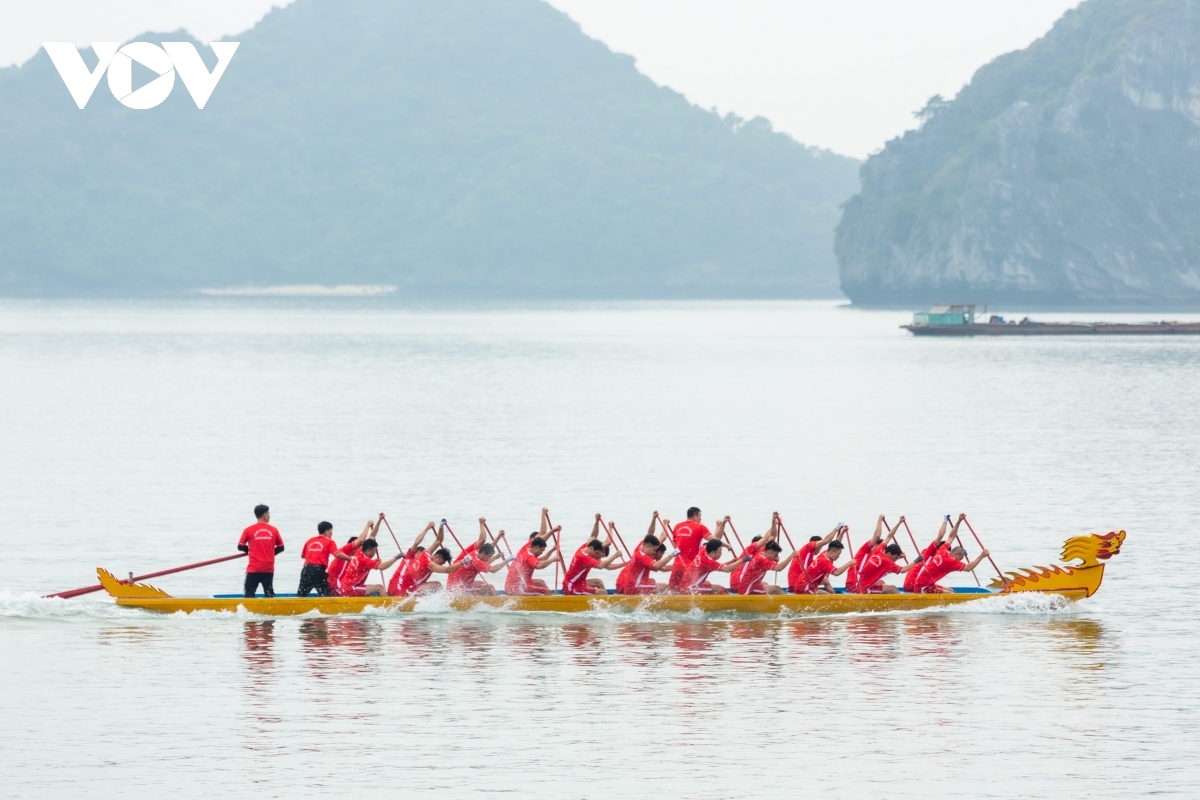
<point x="1091" y="550"/>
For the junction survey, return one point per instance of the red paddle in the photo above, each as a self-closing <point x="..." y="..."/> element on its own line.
<point x="136" y="578"/>
<point x="1003" y="579"/>
<point x="558" y="549"/>
<point x="452" y="536"/>
<point x="495" y="541"/>
<point x="612" y="530"/>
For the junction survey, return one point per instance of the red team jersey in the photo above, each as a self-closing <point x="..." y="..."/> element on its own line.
<point x="338" y="566"/>
<point x="520" y="574"/>
<point x="355" y="574"/>
<point x="410" y="575"/>
<point x="688" y="537"/>
<point x="695" y="577"/>
<point x="470" y="565"/>
<point x="798" y="573"/>
<point x="634" y="577"/>
<point x="939" y="567"/>
<point x="262" y="539"/>
<point x="318" y="550"/>
<point x="752" y="574"/>
<point x="877" y="565"/>
<point x="860" y="558"/>
<point x="575" y="581"/>
<point x="820" y="567"/>
<point x="735" y="579"/>
<point x="914" y="574"/>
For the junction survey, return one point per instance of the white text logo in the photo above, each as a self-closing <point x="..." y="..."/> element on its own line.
<point x="165" y="61"/>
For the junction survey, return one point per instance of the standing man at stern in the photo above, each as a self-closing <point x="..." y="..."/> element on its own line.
<point x="262" y="542"/>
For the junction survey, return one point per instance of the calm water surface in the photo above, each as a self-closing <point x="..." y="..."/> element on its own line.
<point x="139" y="436"/>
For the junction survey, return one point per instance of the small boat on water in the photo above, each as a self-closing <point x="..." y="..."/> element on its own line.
<point x="963" y="320"/>
<point x="1071" y="582"/>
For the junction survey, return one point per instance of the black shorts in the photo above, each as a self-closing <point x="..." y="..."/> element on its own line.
<point x="313" y="577"/>
<point x="253" y="579"/>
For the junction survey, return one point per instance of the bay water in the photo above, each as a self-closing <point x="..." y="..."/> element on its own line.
<point x="139" y="435"/>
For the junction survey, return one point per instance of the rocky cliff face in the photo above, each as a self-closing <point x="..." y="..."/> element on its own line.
<point x="1065" y="174"/>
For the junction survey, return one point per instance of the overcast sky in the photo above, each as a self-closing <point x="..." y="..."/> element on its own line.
<point x="841" y="74"/>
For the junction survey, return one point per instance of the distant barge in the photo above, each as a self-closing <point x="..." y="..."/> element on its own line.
<point x="960" y="320"/>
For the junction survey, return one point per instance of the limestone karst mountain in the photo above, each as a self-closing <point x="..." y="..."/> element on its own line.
<point x="1064" y="174"/>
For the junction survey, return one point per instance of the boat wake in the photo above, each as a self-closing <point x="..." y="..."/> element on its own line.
<point x="33" y="606"/>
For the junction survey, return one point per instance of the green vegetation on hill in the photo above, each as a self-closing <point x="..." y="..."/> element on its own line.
<point x="1067" y="173"/>
<point x="454" y="148"/>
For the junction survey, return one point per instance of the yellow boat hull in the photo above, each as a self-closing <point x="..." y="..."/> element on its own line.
<point x="768" y="604"/>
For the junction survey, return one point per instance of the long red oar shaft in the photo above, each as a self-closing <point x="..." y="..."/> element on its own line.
<point x="786" y="535"/>
<point x="452" y="536"/>
<point x="185" y="568"/>
<point x="558" y="547"/>
<point x="666" y="531"/>
<point x="612" y="530"/>
<point x="913" y="539"/>
<point x="978" y="541"/>
<point x="393" y="533"/>
<point x="495" y="541"/>
<point x="733" y="528"/>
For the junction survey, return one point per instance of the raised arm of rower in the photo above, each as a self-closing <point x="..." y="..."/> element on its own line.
<point x="367" y="533"/>
<point x="429" y="526"/>
<point x="954" y="530"/>
<point x="596" y="531"/>
<point x="892" y="532"/>
<point x="719" y="532"/>
<point x="483" y="537"/>
<point x="877" y="537"/>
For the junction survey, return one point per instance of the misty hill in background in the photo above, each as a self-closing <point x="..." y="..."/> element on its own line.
<point x="1064" y="174"/>
<point x="458" y="147"/>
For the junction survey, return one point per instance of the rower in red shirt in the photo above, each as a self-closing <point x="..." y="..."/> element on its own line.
<point x="799" y="574"/>
<point x="262" y="542"/>
<point x="634" y="577"/>
<point x="942" y="563"/>
<point x="922" y="560"/>
<point x="688" y="536"/>
<point x="350" y="548"/>
<point x="593" y="555"/>
<point x="695" y="577"/>
<point x="754" y="548"/>
<point x="767" y="560"/>
<point x="412" y="573"/>
<point x="864" y="552"/>
<point x="353" y="582"/>
<point x="880" y="563"/>
<point x="316" y="554"/>
<point x="532" y="556"/>
<point x="821" y="568"/>
<point x="481" y="560"/>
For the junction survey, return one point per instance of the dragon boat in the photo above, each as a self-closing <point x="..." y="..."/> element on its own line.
<point x="1069" y="581"/>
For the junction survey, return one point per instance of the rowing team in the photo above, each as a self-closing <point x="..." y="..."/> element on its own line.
<point x="694" y="555"/>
